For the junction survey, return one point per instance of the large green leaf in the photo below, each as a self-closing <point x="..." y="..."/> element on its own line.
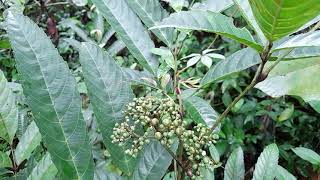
<point x="238" y="61"/>
<point x="308" y="155"/>
<point x="297" y="53"/>
<point x="234" y="169"/>
<point x="8" y="111"/>
<point x="44" y="170"/>
<point x="5" y="160"/>
<point x="153" y="162"/>
<point x="278" y="18"/>
<point x="28" y="142"/>
<point x="295" y="78"/>
<point x="150" y="12"/>
<point x="200" y="111"/>
<point x="51" y="92"/>
<point x="311" y="39"/>
<point x="130" y="30"/>
<point x="267" y="163"/>
<point x="283" y="174"/>
<point x="109" y="93"/>
<point x="246" y="11"/>
<point x="210" y="22"/>
<point x="213" y="5"/>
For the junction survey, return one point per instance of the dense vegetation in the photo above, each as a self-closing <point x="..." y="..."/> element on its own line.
<point x="160" y="89"/>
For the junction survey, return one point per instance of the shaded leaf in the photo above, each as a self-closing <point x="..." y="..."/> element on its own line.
<point x="166" y="55"/>
<point x="45" y="169"/>
<point x="153" y="162"/>
<point x="238" y="61"/>
<point x="139" y="77"/>
<point x="283" y="174"/>
<point x="116" y="47"/>
<point x="5" y="160"/>
<point x="209" y="22"/>
<point x="214" y="153"/>
<point x="267" y="163"/>
<point x="109" y="93"/>
<point x="286" y="114"/>
<point x="8" y="111"/>
<point x="234" y="169"/>
<point x="297" y="53"/>
<point x="307" y="154"/>
<point x="279" y="18"/>
<point x="28" y="142"/>
<point x="150" y="12"/>
<point x="130" y="30"/>
<point x="52" y="95"/>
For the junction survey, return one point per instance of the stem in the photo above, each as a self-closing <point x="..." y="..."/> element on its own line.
<point x="264" y="58"/>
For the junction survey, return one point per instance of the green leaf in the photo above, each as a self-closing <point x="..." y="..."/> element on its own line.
<point x="315" y="105"/>
<point x="150" y="12"/>
<point x="116" y="47"/>
<point x="80" y="2"/>
<point x="234" y="169"/>
<point x="297" y="53"/>
<point x="238" y="61"/>
<point x="267" y="163"/>
<point x="213" y="5"/>
<point x="192" y="61"/>
<point x="101" y="173"/>
<point x="166" y="55"/>
<point x="5" y="160"/>
<point x="294" y="78"/>
<point x="8" y="111"/>
<point x="280" y="18"/>
<point x="308" y="155"/>
<point x="311" y="39"/>
<point x="209" y="22"/>
<point x="45" y="169"/>
<point x="153" y="162"/>
<point x="139" y="77"/>
<point x="28" y="142"/>
<point x="109" y="93"/>
<point x="52" y="95"/>
<point x="283" y="174"/>
<point x="246" y="11"/>
<point x="72" y="24"/>
<point x="214" y="153"/>
<point x="130" y="30"/>
<point x="200" y="110"/>
<point x="286" y="114"/>
<point x="207" y="61"/>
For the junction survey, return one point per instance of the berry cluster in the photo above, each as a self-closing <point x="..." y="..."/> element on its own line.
<point x="151" y="117"/>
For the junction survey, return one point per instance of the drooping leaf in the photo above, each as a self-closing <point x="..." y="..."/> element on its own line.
<point x="234" y="168"/>
<point x="5" y="160"/>
<point x="307" y="154"/>
<point x="130" y="30"/>
<point x="311" y="39"/>
<point x="45" y="169"/>
<point x="200" y="111"/>
<point x="153" y="162"/>
<point x="28" y="142"/>
<point x="213" y="5"/>
<point x="267" y="163"/>
<point x="52" y="95"/>
<point x="296" y="78"/>
<point x="8" y="111"/>
<point x="109" y="93"/>
<point x="246" y="11"/>
<point x="73" y="24"/>
<point x="278" y="18"/>
<point x="139" y="77"/>
<point x="283" y="174"/>
<point x="209" y="22"/>
<point x="150" y="12"/>
<point x="238" y="61"/>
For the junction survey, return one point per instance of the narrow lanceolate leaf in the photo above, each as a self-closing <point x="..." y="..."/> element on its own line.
<point x="200" y="111"/>
<point x="246" y="11"/>
<point x="283" y="174"/>
<point x="154" y="162"/>
<point x="308" y="155"/>
<point x="28" y="142"/>
<point x="52" y="95"/>
<point x="213" y="5"/>
<point x="150" y="12"/>
<point x="234" y="168"/>
<point x="279" y="18"/>
<point x="45" y="169"/>
<point x="238" y="61"/>
<point x="130" y="30"/>
<point x="296" y="78"/>
<point x="109" y="93"/>
<point x="267" y="163"/>
<point x="8" y="111"/>
<point x="311" y="39"/>
<point x="209" y="22"/>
